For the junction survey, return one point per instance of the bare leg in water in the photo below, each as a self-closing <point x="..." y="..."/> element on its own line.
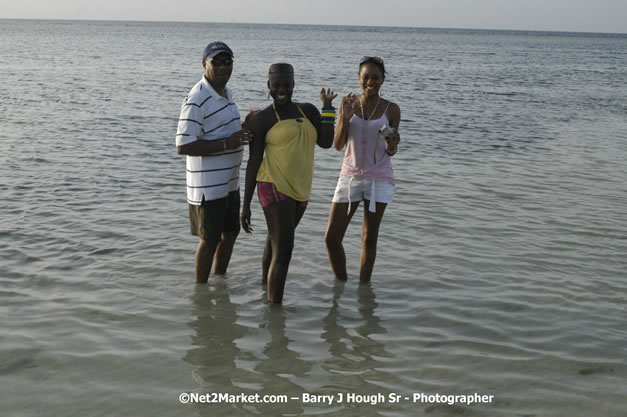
<point x="282" y="219"/>
<point x="339" y="218"/>
<point x="204" y="259"/>
<point x="369" y="238"/>
<point x="338" y="223"/>
<point x="224" y="251"/>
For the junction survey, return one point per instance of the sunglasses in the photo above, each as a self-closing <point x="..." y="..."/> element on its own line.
<point x="375" y="59"/>
<point x="221" y="62"/>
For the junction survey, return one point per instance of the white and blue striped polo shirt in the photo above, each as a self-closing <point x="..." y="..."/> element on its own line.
<point x="206" y="115"/>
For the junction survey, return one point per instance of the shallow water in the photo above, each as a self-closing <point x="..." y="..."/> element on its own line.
<point x="501" y="262"/>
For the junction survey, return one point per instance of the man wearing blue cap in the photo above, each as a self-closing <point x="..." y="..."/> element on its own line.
<point x="209" y="133"/>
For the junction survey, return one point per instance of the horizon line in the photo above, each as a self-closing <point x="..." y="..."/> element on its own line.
<point x="314" y="24"/>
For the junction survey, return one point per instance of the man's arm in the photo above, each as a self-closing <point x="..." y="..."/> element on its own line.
<point x="189" y="133"/>
<point x="206" y="147"/>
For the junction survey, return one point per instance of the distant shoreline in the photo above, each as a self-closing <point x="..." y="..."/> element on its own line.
<point x="339" y="27"/>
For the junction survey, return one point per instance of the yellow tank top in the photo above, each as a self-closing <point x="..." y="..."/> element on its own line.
<point x="289" y="156"/>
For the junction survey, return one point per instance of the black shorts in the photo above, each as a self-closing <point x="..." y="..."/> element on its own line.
<point x="211" y="218"/>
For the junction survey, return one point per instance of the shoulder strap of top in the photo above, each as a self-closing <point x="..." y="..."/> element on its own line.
<point x="386" y="109"/>
<point x="276" y="113"/>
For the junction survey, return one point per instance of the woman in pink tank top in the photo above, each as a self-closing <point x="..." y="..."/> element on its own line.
<point x="364" y="123"/>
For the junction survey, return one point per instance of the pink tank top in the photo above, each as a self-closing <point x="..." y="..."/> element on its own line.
<point x="365" y="154"/>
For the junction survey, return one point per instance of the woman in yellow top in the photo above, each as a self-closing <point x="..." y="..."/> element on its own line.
<point x="287" y="132"/>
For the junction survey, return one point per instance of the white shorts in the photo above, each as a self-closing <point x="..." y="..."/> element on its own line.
<point x="354" y="189"/>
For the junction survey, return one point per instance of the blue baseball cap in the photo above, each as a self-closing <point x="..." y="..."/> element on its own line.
<point x="215" y="48"/>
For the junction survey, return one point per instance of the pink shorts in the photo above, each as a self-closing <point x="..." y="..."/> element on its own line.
<point x="268" y="194"/>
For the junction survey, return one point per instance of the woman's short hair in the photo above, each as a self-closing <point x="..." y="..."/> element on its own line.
<point x="378" y="61"/>
<point x="281" y="68"/>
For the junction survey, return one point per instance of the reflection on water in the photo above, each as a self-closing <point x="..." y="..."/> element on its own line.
<point x="232" y="354"/>
<point x="214" y="351"/>
<point x="221" y="366"/>
<point x="280" y="364"/>
<point x="356" y="357"/>
<point x="341" y="341"/>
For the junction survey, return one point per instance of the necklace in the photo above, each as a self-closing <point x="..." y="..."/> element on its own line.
<point x="363" y="130"/>
<point x="361" y="105"/>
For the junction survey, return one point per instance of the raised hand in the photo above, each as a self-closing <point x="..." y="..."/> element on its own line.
<point x="327" y="96"/>
<point x="347" y="109"/>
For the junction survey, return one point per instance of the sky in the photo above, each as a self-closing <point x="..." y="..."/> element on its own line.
<point x="549" y="15"/>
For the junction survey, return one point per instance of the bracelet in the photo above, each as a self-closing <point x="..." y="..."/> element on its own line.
<point x="328" y="115"/>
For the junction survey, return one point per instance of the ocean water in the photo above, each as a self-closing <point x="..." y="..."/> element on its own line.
<point x="501" y="262"/>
